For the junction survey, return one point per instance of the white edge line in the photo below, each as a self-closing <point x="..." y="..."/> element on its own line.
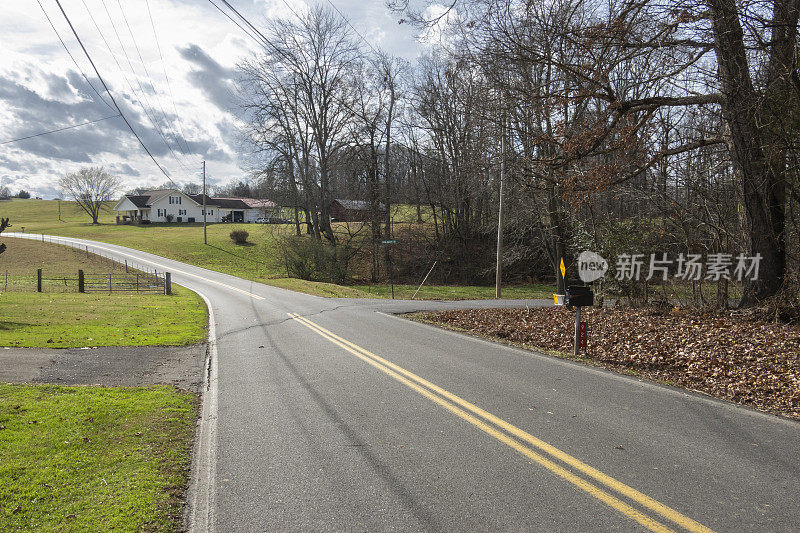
<point x="200" y="495"/>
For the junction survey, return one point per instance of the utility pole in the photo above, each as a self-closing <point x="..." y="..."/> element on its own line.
<point x="499" y="268"/>
<point x="59" y="209"/>
<point x="205" y="235"/>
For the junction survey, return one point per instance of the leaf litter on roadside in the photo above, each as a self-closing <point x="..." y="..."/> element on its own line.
<point x="727" y="356"/>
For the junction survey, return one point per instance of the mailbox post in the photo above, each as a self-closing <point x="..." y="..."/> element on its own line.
<point x="578" y="296"/>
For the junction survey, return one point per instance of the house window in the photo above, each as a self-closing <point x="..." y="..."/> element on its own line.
<point x="170" y="199"/>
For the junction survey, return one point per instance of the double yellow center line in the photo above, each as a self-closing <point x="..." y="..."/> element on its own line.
<point x="522" y="441"/>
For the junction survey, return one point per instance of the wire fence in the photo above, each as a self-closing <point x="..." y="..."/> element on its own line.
<point x="124" y="275"/>
<point x="131" y="282"/>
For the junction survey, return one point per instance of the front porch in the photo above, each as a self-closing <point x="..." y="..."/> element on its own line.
<point x="133" y="216"/>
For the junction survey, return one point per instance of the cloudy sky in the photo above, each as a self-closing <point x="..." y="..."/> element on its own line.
<point x="181" y="107"/>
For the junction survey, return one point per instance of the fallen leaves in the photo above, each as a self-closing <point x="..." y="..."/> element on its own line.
<point x="727" y="356"/>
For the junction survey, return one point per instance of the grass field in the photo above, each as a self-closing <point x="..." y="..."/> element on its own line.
<point x="73" y="320"/>
<point x="57" y="319"/>
<point x="18" y="265"/>
<point x="258" y="262"/>
<point x="455" y="292"/>
<point x="93" y="459"/>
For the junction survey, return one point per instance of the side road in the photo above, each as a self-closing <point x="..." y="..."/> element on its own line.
<point x="332" y="415"/>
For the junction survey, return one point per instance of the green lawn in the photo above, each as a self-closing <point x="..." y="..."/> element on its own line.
<point x="93" y="459"/>
<point x="455" y="292"/>
<point x="258" y="261"/>
<point x="18" y="265"/>
<point x="70" y="320"/>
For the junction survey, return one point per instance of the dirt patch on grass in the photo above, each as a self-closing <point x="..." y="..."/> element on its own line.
<point x="752" y="363"/>
<point x="127" y="366"/>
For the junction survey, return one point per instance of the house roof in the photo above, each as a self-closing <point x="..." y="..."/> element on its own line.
<point x="149" y="197"/>
<point x="139" y="201"/>
<point x="199" y="199"/>
<point x="156" y="194"/>
<point x="356" y="205"/>
<point x="224" y="203"/>
<point x="257" y="203"/>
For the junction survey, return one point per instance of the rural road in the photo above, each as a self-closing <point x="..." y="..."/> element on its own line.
<point x="333" y="415"/>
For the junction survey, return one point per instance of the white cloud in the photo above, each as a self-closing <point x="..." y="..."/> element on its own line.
<point x="40" y="88"/>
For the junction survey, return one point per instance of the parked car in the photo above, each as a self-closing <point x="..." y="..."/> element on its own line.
<point x="262" y="220"/>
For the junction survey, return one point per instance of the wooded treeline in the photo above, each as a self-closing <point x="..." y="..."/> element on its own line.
<point x="621" y="127"/>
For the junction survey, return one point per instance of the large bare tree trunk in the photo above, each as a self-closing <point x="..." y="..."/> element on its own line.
<point x="761" y="166"/>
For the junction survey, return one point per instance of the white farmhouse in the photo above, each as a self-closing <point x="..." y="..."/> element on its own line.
<point x="172" y="205"/>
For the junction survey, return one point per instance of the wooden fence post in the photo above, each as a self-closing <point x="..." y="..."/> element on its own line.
<point x="168" y="283"/>
<point x="81" y="286"/>
<point x="39" y="280"/>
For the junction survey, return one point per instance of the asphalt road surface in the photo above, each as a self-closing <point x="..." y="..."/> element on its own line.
<point x="333" y="415"/>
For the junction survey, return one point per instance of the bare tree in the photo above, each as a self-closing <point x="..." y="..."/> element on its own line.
<point x="611" y="67"/>
<point x="313" y="58"/>
<point x="192" y="188"/>
<point x="90" y="188"/>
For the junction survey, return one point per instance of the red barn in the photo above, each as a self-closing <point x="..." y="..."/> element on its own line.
<point x="353" y="211"/>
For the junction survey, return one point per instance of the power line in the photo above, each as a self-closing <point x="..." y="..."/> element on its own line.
<point x="267" y="44"/>
<point x="166" y="77"/>
<point x="144" y="101"/>
<point x="150" y="79"/>
<point x="114" y="57"/>
<point x="349" y="24"/>
<point x="59" y="129"/>
<point x="249" y="24"/>
<point x="234" y="21"/>
<point x="72" y="57"/>
<point x="111" y="96"/>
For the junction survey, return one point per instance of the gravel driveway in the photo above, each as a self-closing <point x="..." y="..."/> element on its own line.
<point x="125" y="366"/>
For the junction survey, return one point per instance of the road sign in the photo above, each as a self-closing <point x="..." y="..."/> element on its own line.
<point x="563" y="269"/>
<point x="392" y="241"/>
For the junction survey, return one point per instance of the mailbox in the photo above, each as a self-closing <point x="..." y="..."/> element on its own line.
<point x="579" y="296"/>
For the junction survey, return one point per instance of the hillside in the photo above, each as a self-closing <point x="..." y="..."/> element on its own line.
<point x="258" y="261"/>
